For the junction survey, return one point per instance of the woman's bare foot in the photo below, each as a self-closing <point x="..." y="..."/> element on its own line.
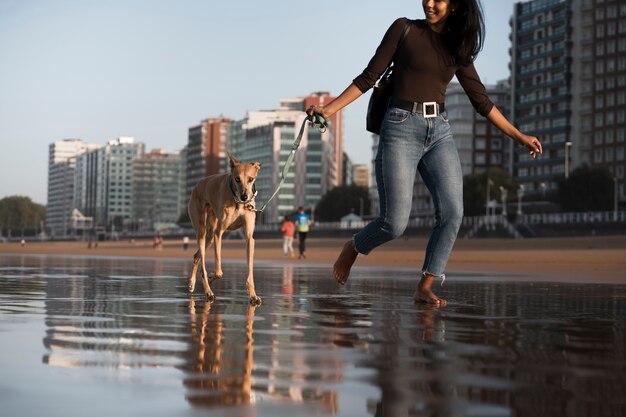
<point x="344" y="262"/>
<point x="425" y="294"/>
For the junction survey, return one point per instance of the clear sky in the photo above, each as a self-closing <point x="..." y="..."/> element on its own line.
<point x="150" y="69"/>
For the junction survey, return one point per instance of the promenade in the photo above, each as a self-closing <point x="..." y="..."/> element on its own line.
<point x="599" y="259"/>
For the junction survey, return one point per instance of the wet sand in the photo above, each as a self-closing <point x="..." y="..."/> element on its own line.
<point x="109" y="336"/>
<point x="581" y="259"/>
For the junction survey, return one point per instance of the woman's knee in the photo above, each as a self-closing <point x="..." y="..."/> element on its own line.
<point x="454" y="215"/>
<point x="395" y="228"/>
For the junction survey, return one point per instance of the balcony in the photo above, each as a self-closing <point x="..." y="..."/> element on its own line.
<point x="556" y="68"/>
<point x="546" y="54"/>
<point x="547" y="115"/>
<point x="531" y="10"/>
<point x="551" y="99"/>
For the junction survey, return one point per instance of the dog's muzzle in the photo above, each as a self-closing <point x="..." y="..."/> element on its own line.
<point x="243" y="197"/>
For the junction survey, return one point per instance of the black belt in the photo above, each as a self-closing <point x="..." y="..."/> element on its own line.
<point x="429" y="109"/>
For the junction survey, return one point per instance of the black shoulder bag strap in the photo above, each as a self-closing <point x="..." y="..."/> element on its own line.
<point x="405" y="32"/>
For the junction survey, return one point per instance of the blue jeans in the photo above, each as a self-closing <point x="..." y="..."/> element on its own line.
<point x="410" y="143"/>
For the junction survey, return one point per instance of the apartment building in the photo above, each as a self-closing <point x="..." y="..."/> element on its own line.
<point x="156" y="202"/>
<point x="206" y="150"/>
<point x="61" y="167"/>
<point x="104" y="183"/>
<point x="568" y="62"/>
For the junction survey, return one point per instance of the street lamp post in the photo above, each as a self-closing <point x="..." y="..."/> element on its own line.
<point x="543" y="186"/>
<point x="487" y="204"/>
<point x="520" y="194"/>
<point x="503" y="193"/>
<point x="568" y="146"/>
<point x="615" y="195"/>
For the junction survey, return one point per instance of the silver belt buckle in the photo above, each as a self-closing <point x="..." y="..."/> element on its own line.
<point x="430" y="109"/>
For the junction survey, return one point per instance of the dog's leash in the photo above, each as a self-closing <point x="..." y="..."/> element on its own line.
<point x="316" y="120"/>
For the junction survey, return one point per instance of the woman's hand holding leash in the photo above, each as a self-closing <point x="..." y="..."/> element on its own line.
<point x="317" y="118"/>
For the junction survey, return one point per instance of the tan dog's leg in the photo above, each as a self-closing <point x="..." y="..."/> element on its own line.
<point x="219" y="232"/>
<point x="195" y="215"/>
<point x="249" y="227"/>
<point x="201" y="233"/>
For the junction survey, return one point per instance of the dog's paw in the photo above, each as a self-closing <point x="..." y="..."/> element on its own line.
<point x="210" y="297"/>
<point x="214" y="277"/>
<point x="256" y="300"/>
<point x="191" y="287"/>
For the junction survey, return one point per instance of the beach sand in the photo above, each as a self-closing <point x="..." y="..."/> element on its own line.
<point x="579" y="259"/>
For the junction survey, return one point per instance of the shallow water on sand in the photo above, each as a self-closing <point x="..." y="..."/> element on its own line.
<point x="106" y="336"/>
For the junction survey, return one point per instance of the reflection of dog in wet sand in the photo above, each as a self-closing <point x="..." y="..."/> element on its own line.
<point x="218" y="203"/>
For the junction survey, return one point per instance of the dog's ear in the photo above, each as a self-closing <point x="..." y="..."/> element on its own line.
<point x="257" y="165"/>
<point x="233" y="161"/>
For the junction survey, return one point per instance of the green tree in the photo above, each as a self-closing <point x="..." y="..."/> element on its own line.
<point x="19" y="213"/>
<point x="342" y="200"/>
<point x="475" y="190"/>
<point x="587" y="189"/>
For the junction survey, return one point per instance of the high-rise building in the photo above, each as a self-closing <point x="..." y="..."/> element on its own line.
<point x="347" y="170"/>
<point x="206" y="150"/>
<point x="61" y="166"/>
<point x="568" y="62"/>
<point x="599" y="86"/>
<point x="541" y="78"/>
<point x="321" y="98"/>
<point x="490" y="147"/>
<point x="104" y="179"/>
<point x="156" y="190"/>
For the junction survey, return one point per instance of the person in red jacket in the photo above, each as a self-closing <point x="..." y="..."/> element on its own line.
<point x="288" y="230"/>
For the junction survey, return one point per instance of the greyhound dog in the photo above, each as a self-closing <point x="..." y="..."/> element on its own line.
<point x="218" y="203"/>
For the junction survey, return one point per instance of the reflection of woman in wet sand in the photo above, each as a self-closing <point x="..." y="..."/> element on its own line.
<point x="417" y="384"/>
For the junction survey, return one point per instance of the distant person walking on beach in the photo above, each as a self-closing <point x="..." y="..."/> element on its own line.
<point x="288" y="230"/>
<point x="185" y="242"/>
<point x="302" y="225"/>
<point x="415" y="134"/>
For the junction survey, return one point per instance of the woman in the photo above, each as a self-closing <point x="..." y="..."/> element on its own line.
<point x="415" y="134"/>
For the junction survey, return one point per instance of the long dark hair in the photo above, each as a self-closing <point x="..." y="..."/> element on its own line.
<point x="464" y="31"/>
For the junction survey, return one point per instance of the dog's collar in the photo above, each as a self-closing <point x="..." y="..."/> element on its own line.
<point x="248" y="204"/>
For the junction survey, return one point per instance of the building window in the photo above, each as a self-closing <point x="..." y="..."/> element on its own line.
<point x="610" y="99"/>
<point x="599" y="13"/>
<point x="598" y="138"/>
<point x="609" y="136"/>
<point x="597" y="158"/>
<point x="599" y="84"/>
<point x="599" y="101"/>
<point x="599" y="119"/>
<point x="610" y="116"/>
<point x="600" y="67"/>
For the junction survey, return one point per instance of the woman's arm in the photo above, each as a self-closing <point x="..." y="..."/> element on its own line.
<point x="529" y="142"/>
